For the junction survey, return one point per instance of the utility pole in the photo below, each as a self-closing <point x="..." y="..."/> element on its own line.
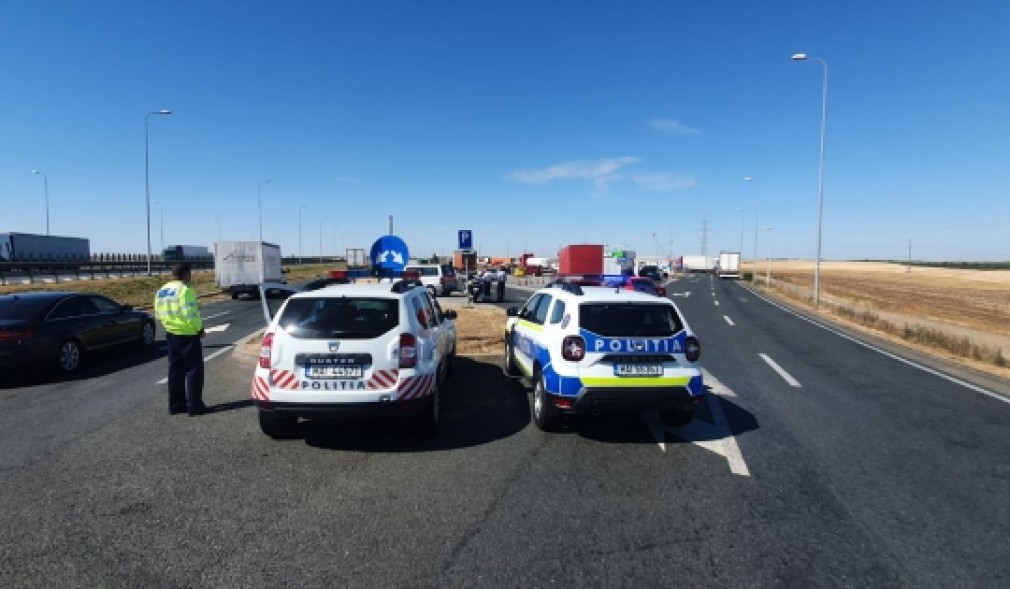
<point x="704" y="237"/>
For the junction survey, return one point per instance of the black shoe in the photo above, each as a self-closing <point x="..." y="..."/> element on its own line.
<point x="201" y="411"/>
<point x="176" y="411"/>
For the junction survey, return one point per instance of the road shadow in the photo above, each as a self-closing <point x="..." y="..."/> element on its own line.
<point x="231" y="405"/>
<point x="95" y="364"/>
<point x="728" y="419"/>
<point x="479" y="405"/>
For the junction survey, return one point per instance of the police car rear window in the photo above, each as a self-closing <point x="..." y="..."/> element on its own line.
<point x="629" y="319"/>
<point x="339" y="317"/>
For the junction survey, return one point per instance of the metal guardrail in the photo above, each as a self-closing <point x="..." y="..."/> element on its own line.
<point x="32" y="272"/>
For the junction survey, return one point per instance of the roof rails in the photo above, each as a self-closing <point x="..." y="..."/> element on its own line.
<point x="402" y="286"/>
<point x="565" y="286"/>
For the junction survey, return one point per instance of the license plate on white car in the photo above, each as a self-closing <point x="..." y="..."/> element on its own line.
<point x="333" y="371"/>
<point x="638" y="369"/>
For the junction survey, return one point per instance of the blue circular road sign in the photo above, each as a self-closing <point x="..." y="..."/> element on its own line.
<point x="389" y="252"/>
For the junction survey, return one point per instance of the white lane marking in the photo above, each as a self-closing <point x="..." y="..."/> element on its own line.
<point x="728" y="320"/>
<point x="209" y="317"/>
<point x="716" y="438"/>
<point x="221" y="327"/>
<point x="681" y="294"/>
<point x="716" y="303"/>
<point x="715" y="385"/>
<point x="882" y="352"/>
<point x="218" y="353"/>
<point x="785" y="375"/>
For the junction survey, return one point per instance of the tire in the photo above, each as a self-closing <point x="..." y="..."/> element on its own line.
<point x="426" y="422"/>
<point x="69" y="356"/>
<point x="678" y="418"/>
<point x="278" y="426"/>
<point x="146" y="335"/>
<point x="545" y="414"/>
<point x="450" y="370"/>
<point x="510" y="359"/>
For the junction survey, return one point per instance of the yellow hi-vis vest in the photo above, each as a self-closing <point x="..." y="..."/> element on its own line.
<point x="175" y="306"/>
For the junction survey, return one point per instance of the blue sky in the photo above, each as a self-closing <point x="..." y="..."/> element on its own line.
<point x="533" y="123"/>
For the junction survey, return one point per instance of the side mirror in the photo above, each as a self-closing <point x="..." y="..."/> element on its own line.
<point x="450" y="314"/>
<point x="285" y="270"/>
<point x="512" y="312"/>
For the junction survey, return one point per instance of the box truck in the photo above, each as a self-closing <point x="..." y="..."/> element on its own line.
<point x="584" y="259"/>
<point x="241" y="266"/>
<point x="729" y="265"/>
<point x="696" y="264"/>
<point x="29" y="247"/>
<point x="184" y="253"/>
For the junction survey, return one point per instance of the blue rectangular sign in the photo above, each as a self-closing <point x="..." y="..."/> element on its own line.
<point x="465" y="239"/>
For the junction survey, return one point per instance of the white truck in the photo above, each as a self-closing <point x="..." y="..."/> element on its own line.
<point x="697" y="264"/>
<point x="729" y="265"/>
<point x="241" y="266"/>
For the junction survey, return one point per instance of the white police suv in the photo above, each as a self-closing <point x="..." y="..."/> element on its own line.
<point x="590" y="349"/>
<point x="353" y="349"/>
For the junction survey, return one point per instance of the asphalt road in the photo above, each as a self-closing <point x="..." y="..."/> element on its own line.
<point x="871" y="472"/>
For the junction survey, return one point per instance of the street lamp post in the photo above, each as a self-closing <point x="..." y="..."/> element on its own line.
<point x="259" y="203"/>
<point x="768" y="268"/>
<point x="820" y="180"/>
<point x="45" y="182"/>
<point x="300" y="233"/>
<point x="323" y="220"/>
<point x="757" y="202"/>
<point x="743" y="222"/>
<point x="147" y="181"/>
<point x="161" y="222"/>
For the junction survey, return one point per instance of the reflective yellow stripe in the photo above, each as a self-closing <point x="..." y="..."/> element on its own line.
<point x="533" y="326"/>
<point x="636" y="381"/>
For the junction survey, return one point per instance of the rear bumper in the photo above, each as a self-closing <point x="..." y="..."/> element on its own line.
<point x="325" y="410"/>
<point x="621" y="399"/>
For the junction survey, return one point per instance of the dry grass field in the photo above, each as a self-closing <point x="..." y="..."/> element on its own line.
<point x="958" y="314"/>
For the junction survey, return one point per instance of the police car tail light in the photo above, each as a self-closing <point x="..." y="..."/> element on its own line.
<point x="15" y="335"/>
<point x="573" y="348"/>
<point x="692" y="349"/>
<point x="266" y="348"/>
<point x="408" y="350"/>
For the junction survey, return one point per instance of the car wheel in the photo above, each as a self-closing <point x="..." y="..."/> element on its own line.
<point x="510" y="359"/>
<point x="69" y="357"/>
<point x="678" y="418"/>
<point x="146" y="334"/>
<point x="426" y="422"/>
<point x="278" y="426"/>
<point x="545" y="414"/>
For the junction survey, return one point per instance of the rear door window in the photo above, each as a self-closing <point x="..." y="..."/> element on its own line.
<point x="17" y="307"/>
<point x="339" y="317"/>
<point x="74" y="307"/>
<point x="630" y="320"/>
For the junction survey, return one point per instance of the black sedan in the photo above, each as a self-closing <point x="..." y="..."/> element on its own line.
<point x="60" y="327"/>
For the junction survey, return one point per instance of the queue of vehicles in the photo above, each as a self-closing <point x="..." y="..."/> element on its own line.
<point x="336" y="347"/>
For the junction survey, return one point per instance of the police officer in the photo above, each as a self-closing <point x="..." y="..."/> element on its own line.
<point x="486" y="279"/>
<point x="501" y="284"/>
<point x="176" y="308"/>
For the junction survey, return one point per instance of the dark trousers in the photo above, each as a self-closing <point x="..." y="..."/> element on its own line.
<point x="501" y="291"/>
<point x="185" y="373"/>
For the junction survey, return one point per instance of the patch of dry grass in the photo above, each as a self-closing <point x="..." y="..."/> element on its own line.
<point x="961" y="315"/>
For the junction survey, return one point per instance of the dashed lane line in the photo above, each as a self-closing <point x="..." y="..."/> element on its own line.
<point x="785" y="375"/>
<point x="728" y="320"/>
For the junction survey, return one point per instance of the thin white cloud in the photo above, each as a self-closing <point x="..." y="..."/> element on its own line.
<point x="600" y="172"/>
<point x="662" y="182"/>
<point x="672" y="126"/>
